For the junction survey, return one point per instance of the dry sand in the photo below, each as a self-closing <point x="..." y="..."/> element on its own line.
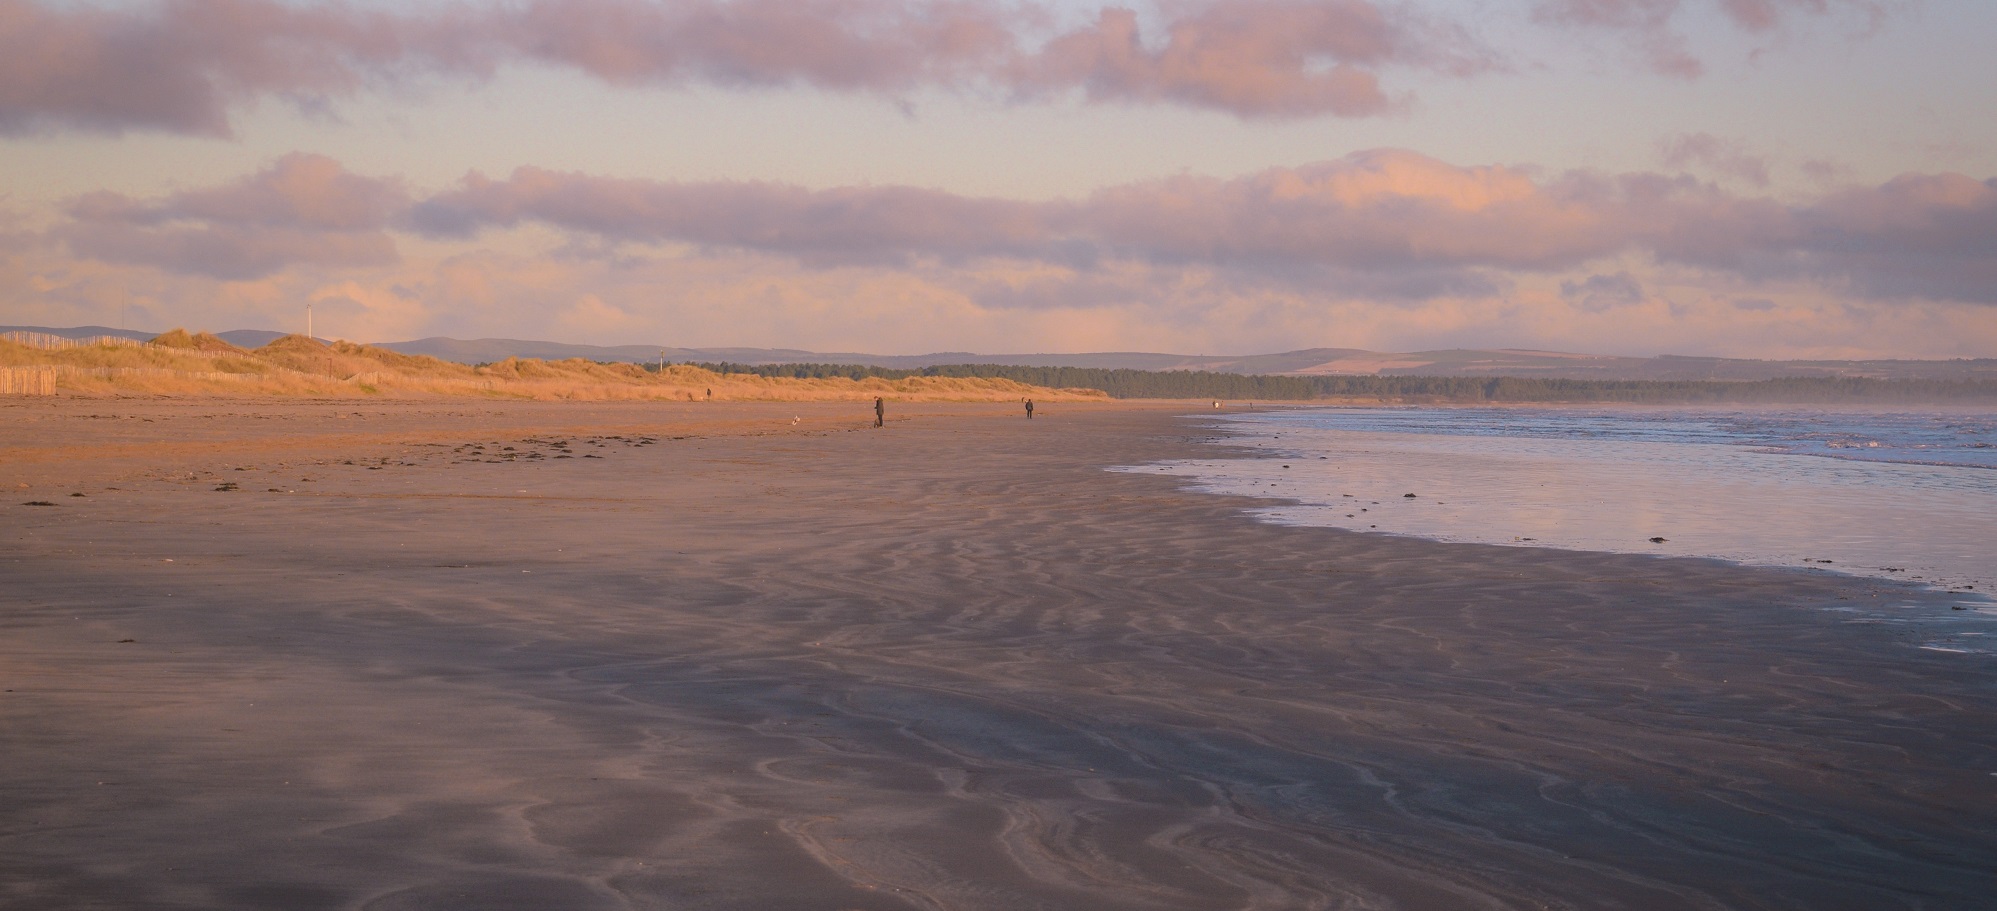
<point x="739" y="662"/>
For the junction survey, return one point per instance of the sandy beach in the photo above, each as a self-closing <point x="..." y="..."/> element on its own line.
<point x="467" y="655"/>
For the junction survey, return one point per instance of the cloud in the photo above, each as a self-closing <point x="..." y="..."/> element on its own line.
<point x="1387" y="218"/>
<point x="1603" y="292"/>
<point x="364" y="311"/>
<point x="769" y="300"/>
<point x="1253" y="58"/>
<point x="183" y="66"/>
<point x="1649" y="26"/>
<point x="884" y="46"/>
<point x="180" y="65"/>
<point x="1383" y="225"/>
<point x="1721" y="156"/>
<point x="1388" y="222"/>
<point x="1918" y="235"/>
<point x="1646" y="23"/>
<point x="856" y="224"/>
<point x="305" y="209"/>
<point x="1382" y="211"/>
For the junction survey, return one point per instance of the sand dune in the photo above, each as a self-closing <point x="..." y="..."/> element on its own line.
<point x="712" y="658"/>
<point x="200" y="365"/>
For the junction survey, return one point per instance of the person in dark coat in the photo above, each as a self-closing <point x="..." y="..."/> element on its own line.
<point x="880" y="412"/>
<point x="1029" y="409"/>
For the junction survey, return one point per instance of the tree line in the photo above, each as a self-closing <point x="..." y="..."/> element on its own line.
<point x="1124" y="383"/>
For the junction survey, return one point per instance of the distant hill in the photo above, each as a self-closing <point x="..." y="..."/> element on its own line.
<point x="1558" y="365"/>
<point x="487" y="350"/>
<point x="1306" y="362"/>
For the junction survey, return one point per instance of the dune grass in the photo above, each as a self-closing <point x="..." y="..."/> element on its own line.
<point x="180" y="363"/>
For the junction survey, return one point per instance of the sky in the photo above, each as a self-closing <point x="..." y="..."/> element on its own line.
<point x="1743" y="178"/>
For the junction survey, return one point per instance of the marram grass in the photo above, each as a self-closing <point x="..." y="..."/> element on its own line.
<point x="180" y="363"/>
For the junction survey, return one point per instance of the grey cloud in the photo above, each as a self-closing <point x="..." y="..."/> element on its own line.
<point x="862" y="224"/>
<point x="180" y="65"/>
<point x="1719" y="155"/>
<point x="184" y="65"/>
<point x="1649" y="26"/>
<point x="303" y="209"/>
<point x="1253" y="58"/>
<point x="1647" y="23"/>
<point x="1600" y="293"/>
<point x="1918" y="235"/>
<point x="1387" y="224"/>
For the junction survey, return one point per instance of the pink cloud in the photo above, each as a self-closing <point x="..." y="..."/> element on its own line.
<point x="1768" y="15"/>
<point x="180" y="65"/>
<point x="851" y="45"/>
<point x="1384" y="224"/>
<point x="1372" y="211"/>
<point x="303" y="209"/>
<point x="1649" y="24"/>
<point x="1257" y="58"/>
<point x="993" y="306"/>
<point x="184" y="65"/>
<point x="1379" y="212"/>
<point x="838" y="225"/>
<point x="1391" y="222"/>
<point x="1646" y="22"/>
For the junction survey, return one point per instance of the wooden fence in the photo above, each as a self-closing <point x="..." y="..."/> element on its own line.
<point x="27" y="381"/>
<point x="109" y="372"/>
<point x="48" y="342"/>
<point x="40" y="380"/>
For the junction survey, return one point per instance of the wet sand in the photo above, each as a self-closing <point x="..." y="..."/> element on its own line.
<point x="736" y="662"/>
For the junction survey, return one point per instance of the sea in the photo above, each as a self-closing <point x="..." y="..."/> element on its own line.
<point x="1908" y="495"/>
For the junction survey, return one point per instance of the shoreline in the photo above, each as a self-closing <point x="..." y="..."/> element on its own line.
<point x="953" y="663"/>
<point x="1497" y="480"/>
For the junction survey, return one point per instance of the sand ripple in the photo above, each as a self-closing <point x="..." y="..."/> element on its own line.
<point x="950" y="665"/>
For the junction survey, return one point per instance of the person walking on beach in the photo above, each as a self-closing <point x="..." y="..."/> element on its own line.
<point x="1029" y="409"/>
<point x="880" y="412"/>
